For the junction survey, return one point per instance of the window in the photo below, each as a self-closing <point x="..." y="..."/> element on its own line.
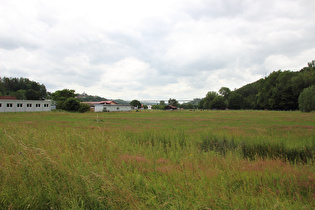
<point x="9" y="105"/>
<point x="19" y="105"/>
<point x="46" y="105"/>
<point x="37" y="105"/>
<point x="117" y="108"/>
<point x="0" y="105"/>
<point x="29" y="105"/>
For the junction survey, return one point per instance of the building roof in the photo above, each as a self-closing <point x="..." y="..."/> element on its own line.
<point x="171" y="107"/>
<point x="99" y="102"/>
<point x="8" y="98"/>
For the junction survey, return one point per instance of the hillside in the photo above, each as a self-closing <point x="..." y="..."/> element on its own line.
<point x="279" y="91"/>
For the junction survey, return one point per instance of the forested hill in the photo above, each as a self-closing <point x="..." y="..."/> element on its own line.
<point x="22" y="88"/>
<point x="279" y="91"/>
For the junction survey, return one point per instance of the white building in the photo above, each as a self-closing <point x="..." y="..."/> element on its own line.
<point x="117" y="108"/>
<point x="109" y="106"/>
<point x="12" y="105"/>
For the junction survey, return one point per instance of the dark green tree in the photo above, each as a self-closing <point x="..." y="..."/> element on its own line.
<point x="187" y="106"/>
<point x="210" y="96"/>
<point x="225" y="92"/>
<point x="281" y="97"/>
<point x="162" y="103"/>
<point x="135" y="103"/>
<point x="218" y="103"/>
<point x="62" y="95"/>
<point x="201" y="104"/>
<point x="235" y="101"/>
<point x="71" y="104"/>
<point x="84" y="108"/>
<point x="307" y="99"/>
<point x="32" y="94"/>
<point x="17" y="86"/>
<point x="158" y="107"/>
<point x="173" y="102"/>
<point x="20" y="94"/>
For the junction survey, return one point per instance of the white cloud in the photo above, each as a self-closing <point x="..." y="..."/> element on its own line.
<point x="153" y="49"/>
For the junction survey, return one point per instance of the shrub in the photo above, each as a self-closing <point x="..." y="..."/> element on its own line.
<point x="72" y="104"/>
<point x="84" y="108"/>
<point x="307" y="99"/>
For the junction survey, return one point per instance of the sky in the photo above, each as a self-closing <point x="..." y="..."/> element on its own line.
<point x="153" y="49"/>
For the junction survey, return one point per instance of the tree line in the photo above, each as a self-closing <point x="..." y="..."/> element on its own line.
<point x="281" y="90"/>
<point x="25" y="89"/>
<point x="22" y="88"/>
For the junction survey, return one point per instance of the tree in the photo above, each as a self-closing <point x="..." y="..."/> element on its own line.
<point x="225" y="92"/>
<point x="162" y="103"/>
<point x="307" y="99"/>
<point x="158" y="107"/>
<point x="187" y="106"/>
<point x="84" y="108"/>
<point x="20" y="94"/>
<point x="208" y="99"/>
<point x="173" y="102"/>
<point x="22" y="88"/>
<point x="71" y="104"/>
<point x="218" y="103"/>
<point x="201" y="104"/>
<point x="135" y="103"/>
<point x="235" y="101"/>
<point x="62" y="95"/>
<point x="32" y="94"/>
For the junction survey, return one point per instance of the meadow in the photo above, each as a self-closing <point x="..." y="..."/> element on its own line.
<point x="157" y="160"/>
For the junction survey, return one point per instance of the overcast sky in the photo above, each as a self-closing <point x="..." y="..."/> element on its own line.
<point x="153" y="49"/>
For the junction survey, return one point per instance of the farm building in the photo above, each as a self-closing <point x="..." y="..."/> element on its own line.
<point x="11" y="104"/>
<point x="109" y="106"/>
<point x="170" y="107"/>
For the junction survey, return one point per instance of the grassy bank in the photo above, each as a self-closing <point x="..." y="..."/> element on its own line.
<point x="157" y="159"/>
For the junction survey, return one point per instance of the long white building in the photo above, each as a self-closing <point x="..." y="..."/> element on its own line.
<point x="109" y="106"/>
<point x="11" y="105"/>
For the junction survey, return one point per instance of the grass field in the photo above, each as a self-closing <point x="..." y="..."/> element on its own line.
<point x="157" y="160"/>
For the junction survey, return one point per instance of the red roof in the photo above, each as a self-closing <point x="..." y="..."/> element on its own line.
<point x="100" y="102"/>
<point x="8" y="98"/>
<point x="109" y="102"/>
<point x="171" y="106"/>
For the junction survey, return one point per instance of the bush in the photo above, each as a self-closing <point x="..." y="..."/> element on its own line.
<point x="307" y="99"/>
<point x="84" y="108"/>
<point x="72" y="104"/>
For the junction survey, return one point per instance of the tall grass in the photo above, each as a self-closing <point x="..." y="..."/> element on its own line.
<point x="155" y="160"/>
<point x="262" y="150"/>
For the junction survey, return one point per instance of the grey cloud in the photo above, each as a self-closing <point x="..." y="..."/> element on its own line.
<point x="215" y="9"/>
<point x="12" y="43"/>
<point x="239" y="36"/>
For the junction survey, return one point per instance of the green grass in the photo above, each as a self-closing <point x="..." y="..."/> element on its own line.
<point x="157" y="160"/>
